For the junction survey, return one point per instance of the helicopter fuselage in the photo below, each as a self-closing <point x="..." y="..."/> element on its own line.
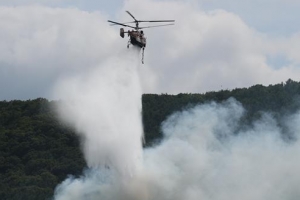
<point x="137" y="38"/>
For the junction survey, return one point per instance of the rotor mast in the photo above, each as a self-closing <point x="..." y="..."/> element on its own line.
<point x="135" y="20"/>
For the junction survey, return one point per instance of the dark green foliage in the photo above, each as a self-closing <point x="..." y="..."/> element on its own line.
<point x="157" y="107"/>
<point x="37" y="151"/>
<point x="278" y="99"/>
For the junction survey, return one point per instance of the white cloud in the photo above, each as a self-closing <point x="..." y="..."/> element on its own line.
<point x="205" y="50"/>
<point x="208" y="50"/>
<point x="275" y="17"/>
<point x="91" y="5"/>
<point x="40" y="44"/>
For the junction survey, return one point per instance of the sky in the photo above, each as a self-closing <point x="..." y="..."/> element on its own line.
<point x="214" y="44"/>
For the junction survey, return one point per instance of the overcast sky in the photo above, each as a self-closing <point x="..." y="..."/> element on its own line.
<point x="214" y="45"/>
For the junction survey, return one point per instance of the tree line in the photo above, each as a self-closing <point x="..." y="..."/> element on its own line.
<point x="37" y="151"/>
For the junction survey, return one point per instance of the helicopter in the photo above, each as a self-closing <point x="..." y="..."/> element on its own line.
<point x="136" y="35"/>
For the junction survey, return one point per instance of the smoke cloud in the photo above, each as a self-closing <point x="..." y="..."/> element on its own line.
<point x="206" y="155"/>
<point x="207" y="152"/>
<point x="104" y="105"/>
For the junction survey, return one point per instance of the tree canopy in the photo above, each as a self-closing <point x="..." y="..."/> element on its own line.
<point x="37" y="151"/>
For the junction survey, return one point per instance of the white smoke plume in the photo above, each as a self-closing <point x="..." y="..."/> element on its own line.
<point x="104" y="105"/>
<point x="205" y="154"/>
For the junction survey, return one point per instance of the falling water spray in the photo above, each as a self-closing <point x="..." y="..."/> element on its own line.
<point x="104" y="106"/>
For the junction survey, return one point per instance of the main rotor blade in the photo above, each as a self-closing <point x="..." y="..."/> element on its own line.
<point x="131" y="15"/>
<point x="157" y="21"/>
<point x="120" y="24"/>
<point x="155" y="26"/>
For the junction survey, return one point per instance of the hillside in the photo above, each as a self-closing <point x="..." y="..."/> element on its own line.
<point x="278" y="99"/>
<point x="37" y="151"/>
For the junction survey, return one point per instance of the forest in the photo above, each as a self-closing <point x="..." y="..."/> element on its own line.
<point x="38" y="151"/>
